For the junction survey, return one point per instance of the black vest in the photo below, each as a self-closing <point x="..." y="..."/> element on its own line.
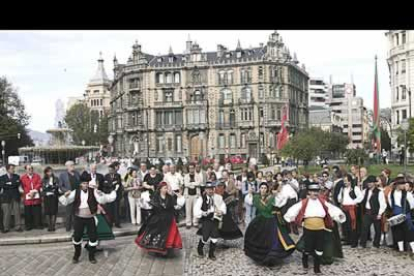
<point x="92" y="203"/>
<point x="403" y="198"/>
<point x="373" y="201"/>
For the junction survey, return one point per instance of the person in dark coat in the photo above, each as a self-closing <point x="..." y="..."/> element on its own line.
<point x="69" y="181"/>
<point x="50" y="197"/>
<point x="114" y="180"/>
<point x="10" y="198"/>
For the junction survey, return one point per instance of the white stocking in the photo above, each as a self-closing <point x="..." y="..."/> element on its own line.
<point x="412" y="246"/>
<point x="401" y="246"/>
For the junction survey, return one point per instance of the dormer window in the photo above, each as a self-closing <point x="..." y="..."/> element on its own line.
<point x="171" y="59"/>
<point x="159" y="59"/>
<point x="228" y="55"/>
<point x="238" y="54"/>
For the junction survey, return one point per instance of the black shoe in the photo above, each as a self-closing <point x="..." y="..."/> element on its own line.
<point x="118" y="225"/>
<point x="19" y="229"/>
<point x="316" y="264"/>
<point x="211" y="251"/>
<point x="200" y="249"/>
<point x="78" y="249"/>
<point x="92" y="254"/>
<point x="5" y="231"/>
<point x="305" y="260"/>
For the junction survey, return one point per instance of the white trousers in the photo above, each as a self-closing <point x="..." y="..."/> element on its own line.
<point x="135" y="209"/>
<point x="190" y="201"/>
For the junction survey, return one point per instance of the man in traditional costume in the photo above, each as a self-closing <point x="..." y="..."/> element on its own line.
<point x="317" y="215"/>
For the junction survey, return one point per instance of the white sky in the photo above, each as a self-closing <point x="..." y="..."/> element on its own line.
<point x="35" y="61"/>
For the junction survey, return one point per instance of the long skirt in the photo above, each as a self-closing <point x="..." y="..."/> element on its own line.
<point x="266" y="241"/>
<point x="51" y="205"/>
<point x="228" y="228"/>
<point x="158" y="240"/>
<point x="103" y="229"/>
<point x="332" y="246"/>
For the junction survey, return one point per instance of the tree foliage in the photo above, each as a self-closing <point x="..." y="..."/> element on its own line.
<point x="13" y="119"/>
<point x="356" y="156"/>
<point x="410" y="136"/>
<point x="82" y="121"/>
<point x="307" y="144"/>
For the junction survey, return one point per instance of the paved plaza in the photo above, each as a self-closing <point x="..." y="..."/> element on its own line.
<point x="123" y="258"/>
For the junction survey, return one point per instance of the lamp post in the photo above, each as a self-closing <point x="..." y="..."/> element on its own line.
<point x="3" y="151"/>
<point x="405" y="125"/>
<point x="110" y="141"/>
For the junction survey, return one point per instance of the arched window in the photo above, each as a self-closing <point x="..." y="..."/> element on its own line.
<point x="198" y="96"/>
<point x="168" y="77"/>
<point x="101" y="102"/>
<point x="176" y="77"/>
<point x="261" y="92"/>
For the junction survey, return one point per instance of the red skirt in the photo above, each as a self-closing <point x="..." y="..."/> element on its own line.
<point x="173" y="240"/>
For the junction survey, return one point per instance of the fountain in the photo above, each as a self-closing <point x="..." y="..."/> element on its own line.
<point x="60" y="149"/>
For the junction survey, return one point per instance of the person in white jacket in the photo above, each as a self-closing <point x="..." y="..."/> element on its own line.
<point x="85" y="206"/>
<point x="348" y="198"/>
<point x="316" y="215"/>
<point x="210" y="209"/>
<point x="192" y="182"/>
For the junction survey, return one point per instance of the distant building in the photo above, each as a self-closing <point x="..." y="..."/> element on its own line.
<point x="71" y="101"/>
<point x="200" y="103"/>
<point x="318" y="93"/>
<point x="325" y="119"/>
<point x="343" y="102"/>
<point x="97" y="94"/>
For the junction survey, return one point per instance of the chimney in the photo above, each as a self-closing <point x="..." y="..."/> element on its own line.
<point x="189" y="44"/>
<point x="220" y="50"/>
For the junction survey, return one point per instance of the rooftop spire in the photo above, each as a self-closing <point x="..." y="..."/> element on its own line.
<point x="100" y="76"/>
<point x="238" y="45"/>
<point x="170" y="51"/>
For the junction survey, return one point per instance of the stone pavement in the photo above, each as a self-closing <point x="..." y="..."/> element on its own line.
<point x="122" y="257"/>
<point x="43" y="236"/>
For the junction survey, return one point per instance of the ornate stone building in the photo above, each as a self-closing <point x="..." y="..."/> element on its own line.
<point x="207" y="103"/>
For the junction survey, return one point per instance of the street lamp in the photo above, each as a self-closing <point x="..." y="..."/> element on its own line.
<point x="3" y="152"/>
<point x="405" y="125"/>
<point x="110" y="141"/>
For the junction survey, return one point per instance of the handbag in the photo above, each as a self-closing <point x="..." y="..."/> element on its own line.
<point x="398" y="219"/>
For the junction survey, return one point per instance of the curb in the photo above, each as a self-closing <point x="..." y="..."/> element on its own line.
<point x="54" y="239"/>
<point x="44" y="239"/>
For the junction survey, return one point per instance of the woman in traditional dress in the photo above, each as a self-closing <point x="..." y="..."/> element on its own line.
<point x="266" y="239"/>
<point x="160" y="233"/>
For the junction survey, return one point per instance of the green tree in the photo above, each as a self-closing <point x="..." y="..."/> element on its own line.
<point x="78" y="118"/>
<point x="87" y="125"/>
<point x="355" y="156"/>
<point x="385" y="140"/>
<point x="410" y="136"/>
<point x="13" y="119"/>
<point x="303" y="146"/>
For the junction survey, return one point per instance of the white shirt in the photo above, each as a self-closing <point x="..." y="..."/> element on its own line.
<point x="218" y="205"/>
<point x="174" y="181"/>
<point x="381" y="200"/>
<point x="294" y="183"/>
<point x="397" y="199"/>
<point x="288" y="191"/>
<point x="280" y="200"/>
<point x="347" y="200"/>
<point x="315" y="209"/>
<point x="84" y="200"/>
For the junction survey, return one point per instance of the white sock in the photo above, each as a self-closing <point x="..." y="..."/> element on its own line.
<point x="401" y="246"/>
<point x="412" y="246"/>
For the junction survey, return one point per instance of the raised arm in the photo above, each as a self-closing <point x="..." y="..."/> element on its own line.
<point x="336" y="213"/>
<point x="293" y="212"/>
<point x="103" y="198"/>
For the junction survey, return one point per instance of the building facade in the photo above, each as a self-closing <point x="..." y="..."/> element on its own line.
<point x="325" y="119"/>
<point x="343" y="101"/>
<point x="97" y="94"/>
<point x="318" y="93"/>
<point x="400" y="58"/>
<point x="227" y="102"/>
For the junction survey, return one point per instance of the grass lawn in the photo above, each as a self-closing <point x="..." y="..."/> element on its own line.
<point x="372" y="169"/>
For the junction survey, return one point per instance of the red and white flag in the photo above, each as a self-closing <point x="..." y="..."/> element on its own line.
<point x="283" y="135"/>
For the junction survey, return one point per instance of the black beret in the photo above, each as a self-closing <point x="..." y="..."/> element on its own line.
<point x="85" y="177"/>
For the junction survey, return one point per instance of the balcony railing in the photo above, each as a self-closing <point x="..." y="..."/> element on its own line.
<point x="169" y="127"/>
<point x="246" y="124"/>
<point x="132" y="128"/>
<point x="168" y="104"/>
<point x="225" y="125"/>
<point x="246" y="101"/>
<point x="196" y="126"/>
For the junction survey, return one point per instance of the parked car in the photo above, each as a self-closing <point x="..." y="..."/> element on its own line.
<point x="37" y="161"/>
